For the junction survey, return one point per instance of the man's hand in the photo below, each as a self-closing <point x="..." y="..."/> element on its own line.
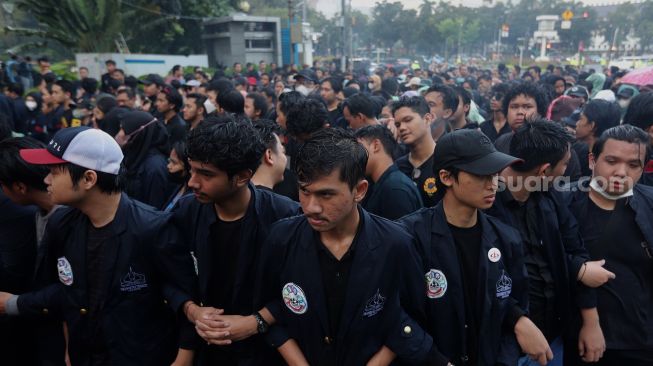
<point x="221" y="328"/>
<point x="532" y="341"/>
<point x="383" y="357"/>
<point x="591" y="343"/>
<point x="594" y="274"/>
<point x="4" y="296"/>
<point x="184" y="358"/>
<point x="195" y="313"/>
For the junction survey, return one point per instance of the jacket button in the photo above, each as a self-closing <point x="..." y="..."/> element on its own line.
<point x="466" y="326"/>
<point x="44" y="311"/>
<point x="408" y="330"/>
<point x="165" y="301"/>
<point x="83" y="311"/>
<point x="327" y="340"/>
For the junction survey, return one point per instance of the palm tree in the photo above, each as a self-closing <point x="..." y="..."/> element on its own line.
<point x="82" y="26"/>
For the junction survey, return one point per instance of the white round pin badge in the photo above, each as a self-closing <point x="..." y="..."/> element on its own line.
<point x="494" y="254"/>
<point x="294" y="298"/>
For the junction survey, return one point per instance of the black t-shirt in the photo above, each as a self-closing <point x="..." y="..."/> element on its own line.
<point x="97" y="240"/>
<point x="177" y="130"/>
<point x="468" y="248"/>
<point x="488" y="129"/>
<point x="393" y="196"/>
<point x="336" y="119"/>
<point x="424" y="179"/>
<point x="625" y="304"/>
<point x="225" y="244"/>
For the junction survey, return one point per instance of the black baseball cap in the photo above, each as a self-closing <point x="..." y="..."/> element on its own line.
<point x="153" y="79"/>
<point x="470" y="151"/>
<point x="307" y="74"/>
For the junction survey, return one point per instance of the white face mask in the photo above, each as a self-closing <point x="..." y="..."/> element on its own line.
<point x="623" y="103"/>
<point x="208" y="106"/>
<point x="31" y="105"/>
<point x="370" y="86"/>
<point x="598" y="189"/>
<point x="303" y="90"/>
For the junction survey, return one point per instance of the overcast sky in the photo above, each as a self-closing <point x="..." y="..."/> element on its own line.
<point x="329" y="7"/>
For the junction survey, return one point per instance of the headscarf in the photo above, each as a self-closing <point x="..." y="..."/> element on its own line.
<point x="598" y="80"/>
<point x="146" y="135"/>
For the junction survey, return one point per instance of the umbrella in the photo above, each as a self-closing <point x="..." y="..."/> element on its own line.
<point x="643" y="76"/>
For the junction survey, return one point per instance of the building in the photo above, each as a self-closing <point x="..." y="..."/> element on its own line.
<point x="242" y="38"/>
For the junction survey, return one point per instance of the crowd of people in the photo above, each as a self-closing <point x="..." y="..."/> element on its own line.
<point x="266" y="215"/>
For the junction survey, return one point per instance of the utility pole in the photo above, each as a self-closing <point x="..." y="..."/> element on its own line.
<point x="290" y="11"/>
<point x="343" y="42"/>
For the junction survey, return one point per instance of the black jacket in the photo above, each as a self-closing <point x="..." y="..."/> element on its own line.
<point x="195" y="219"/>
<point x="145" y="260"/>
<point x="394" y="195"/>
<point x="564" y="250"/>
<point x="446" y="314"/>
<point x="383" y="294"/>
<point x="149" y="183"/>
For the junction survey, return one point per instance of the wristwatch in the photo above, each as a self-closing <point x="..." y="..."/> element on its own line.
<point x="261" y="325"/>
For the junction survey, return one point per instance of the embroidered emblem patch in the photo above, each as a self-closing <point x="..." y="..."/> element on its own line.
<point x="504" y="286"/>
<point x="429" y="186"/>
<point x="494" y="254"/>
<point x="65" y="271"/>
<point x="132" y="281"/>
<point x="436" y="284"/>
<point x="374" y="305"/>
<point x="294" y="298"/>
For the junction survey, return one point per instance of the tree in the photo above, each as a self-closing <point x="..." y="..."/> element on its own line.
<point x="83" y="26"/>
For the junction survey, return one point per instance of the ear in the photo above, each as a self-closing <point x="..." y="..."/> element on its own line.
<point x="267" y="157"/>
<point x="376" y="145"/>
<point x="428" y="118"/>
<point x="19" y="187"/>
<point x="242" y="178"/>
<point x="89" y="180"/>
<point x="446" y="178"/>
<point x="543" y="170"/>
<point x="592" y="161"/>
<point x="360" y="190"/>
<point x="447" y="113"/>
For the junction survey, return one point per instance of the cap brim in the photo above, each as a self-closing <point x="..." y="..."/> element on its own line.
<point x="40" y="157"/>
<point x="490" y="164"/>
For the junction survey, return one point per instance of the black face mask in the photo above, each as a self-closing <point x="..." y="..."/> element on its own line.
<point x="177" y="178"/>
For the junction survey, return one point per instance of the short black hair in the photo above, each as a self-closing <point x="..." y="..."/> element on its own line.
<point x="528" y="89"/>
<point x="360" y="103"/>
<point x="110" y="62"/>
<point x="16" y="88"/>
<point x="640" y="111"/>
<point x="67" y="87"/>
<point x="306" y="117"/>
<point x="14" y="169"/>
<point x="173" y="97"/>
<point x="269" y="92"/>
<point x="260" y="102"/>
<point x="126" y="90"/>
<point x="43" y="59"/>
<point x="232" y="101"/>
<point x="89" y="85"/>
<point x="449" y="96"/>
<point x="179" y="148"/>
<point x="539" y="142"/>
<point x="464" y="95"/>
<point x="230" y="146"/>
<point x="288" y="99"/>
<point x="390" y="85"/>
<point x="106" y="183"/>
<point x="381" y="133"/>
<point x="106" y="104"/>
<point x="220" y="86"/>
<point x="499" y="91"/>
<point x="604" y="114"/>
<point x="199" y="100"/>
<point x="267" y="129"/>
<point x="416" y="104"/>
<point x="327" y="150"/>
<point x="336" y="83"/>
<point x="628" y="133"/>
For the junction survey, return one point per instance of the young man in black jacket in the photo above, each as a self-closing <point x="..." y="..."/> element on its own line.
<point x="118" y="275"/>
<point x="341" y="283"/>
<point x="614" y="213"/>
<point x="561" y="276"/>
<point x="225" y="224"/>
<point x="475" y="292"/>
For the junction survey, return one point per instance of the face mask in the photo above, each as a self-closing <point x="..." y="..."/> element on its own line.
<point x="623" y="103"/>
<point x="303" y="90"/>
<point x="370" y="86"/>
<point x="208" y="106"/>
<point x="598" y="189"/>
<point x="31" y="105"/>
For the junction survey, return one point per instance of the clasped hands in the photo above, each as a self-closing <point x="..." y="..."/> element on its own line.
<point x="217" y="328"/>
